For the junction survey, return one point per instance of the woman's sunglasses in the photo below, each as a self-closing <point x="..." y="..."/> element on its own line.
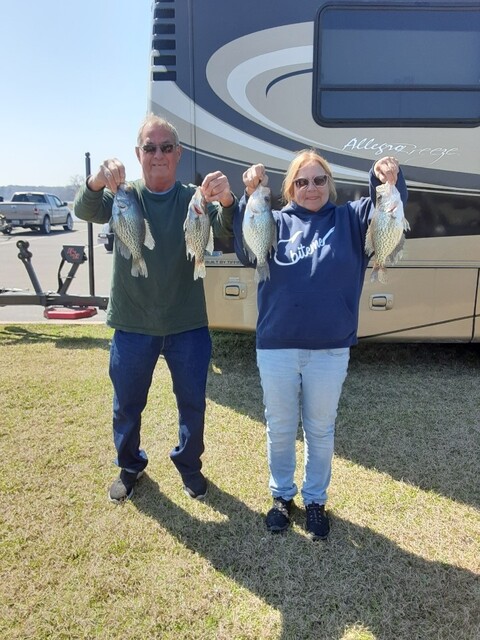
<point x="318" y="181"/>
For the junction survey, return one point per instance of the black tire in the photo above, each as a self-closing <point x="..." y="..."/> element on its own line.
<point x="109" y="243"/>
<point x="68" y="226"/>
<point x="46" y="226"/>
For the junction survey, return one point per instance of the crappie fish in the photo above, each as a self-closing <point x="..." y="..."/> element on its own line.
<point x="259" y="230"/>
<point x="385" y="235"/>
<point x="198" y="233"/>
<point x="131" y="229"/>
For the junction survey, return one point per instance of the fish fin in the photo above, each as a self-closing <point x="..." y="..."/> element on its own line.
<point x="190" y="253"/>
<point x="200" y="271"/>
<point x="369" y="250"/>
<point x="274" y="238"/>
<point x="395" y="256"/>
<point x="397" y="253"/>
<point x="149" y="242"/>
<point x="209" y="246"/>
<point x="139" y="268"/>
<point x="122" y="248"/>
<point x="406" y="225"/>
<point x="248" y="252"/>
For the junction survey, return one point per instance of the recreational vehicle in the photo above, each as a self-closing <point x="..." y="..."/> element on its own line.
<point x="248" y="82"/>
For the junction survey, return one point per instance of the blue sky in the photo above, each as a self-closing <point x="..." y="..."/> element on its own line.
<point x="73" y="78"/>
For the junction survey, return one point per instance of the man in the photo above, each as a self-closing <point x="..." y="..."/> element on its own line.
<point x="162" y="314"/>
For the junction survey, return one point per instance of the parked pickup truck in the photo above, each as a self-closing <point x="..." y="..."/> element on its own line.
<point x="35" y="210"/>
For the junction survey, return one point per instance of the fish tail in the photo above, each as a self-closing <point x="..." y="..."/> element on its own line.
<point x="262" y="272"/>
<point x="382" y="275"/>
<point x="122" y="248"/>
<point x="139" y="268"/>
<point x="200" y="270"/>
<point x="379" y="273"/>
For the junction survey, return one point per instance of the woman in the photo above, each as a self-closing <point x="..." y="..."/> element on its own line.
<point x="307" y="322"/>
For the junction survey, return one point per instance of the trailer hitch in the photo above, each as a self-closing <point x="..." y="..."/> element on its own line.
<point x="72" y="254"/>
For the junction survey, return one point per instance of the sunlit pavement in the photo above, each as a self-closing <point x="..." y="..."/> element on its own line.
<point x="46" y="259"/>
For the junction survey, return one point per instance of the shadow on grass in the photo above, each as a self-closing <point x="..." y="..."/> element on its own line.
<point x="322" y="589"/>
<point x="233" y="380"/>
<point x="12" y="335"/>
<point x="409" y="410"/>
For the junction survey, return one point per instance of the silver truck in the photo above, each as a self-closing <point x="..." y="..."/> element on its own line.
<point x="35" y="210"/>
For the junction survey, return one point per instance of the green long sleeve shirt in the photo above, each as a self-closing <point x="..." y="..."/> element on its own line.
<point x="168" y="301"/>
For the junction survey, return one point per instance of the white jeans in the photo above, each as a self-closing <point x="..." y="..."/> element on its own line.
<point x="301" y="384"/>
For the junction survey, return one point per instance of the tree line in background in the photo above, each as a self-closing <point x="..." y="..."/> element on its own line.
<point x="66" y="192"/>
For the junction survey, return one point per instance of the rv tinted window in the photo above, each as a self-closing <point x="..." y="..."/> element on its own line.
<point x="397" y="65"/>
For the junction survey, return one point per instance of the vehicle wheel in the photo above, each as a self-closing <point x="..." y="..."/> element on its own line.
<point x="109" y="244"/>
<point x="7" y="231"/>
<point x="46" y="226"/>
<point x="68" y="226"/>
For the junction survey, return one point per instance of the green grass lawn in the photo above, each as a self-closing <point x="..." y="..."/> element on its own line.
<point x="403" y="557"/>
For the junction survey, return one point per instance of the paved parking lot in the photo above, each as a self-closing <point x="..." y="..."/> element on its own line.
<point x="46" y="258"/>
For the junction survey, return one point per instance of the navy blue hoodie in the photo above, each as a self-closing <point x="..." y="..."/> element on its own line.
<point x="316" y="273"/>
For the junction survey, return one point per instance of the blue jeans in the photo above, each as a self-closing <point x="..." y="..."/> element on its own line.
<point x="301" y="384"/>
<point x="133" y="357"/>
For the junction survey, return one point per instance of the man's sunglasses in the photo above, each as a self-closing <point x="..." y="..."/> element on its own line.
<point x="166" y="147"/>
<point x="318" y="181"/>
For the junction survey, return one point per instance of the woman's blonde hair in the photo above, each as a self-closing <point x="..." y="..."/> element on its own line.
<point x="303" y="157"/>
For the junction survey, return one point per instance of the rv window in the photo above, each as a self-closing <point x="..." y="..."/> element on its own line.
<point x="405" y="65"/>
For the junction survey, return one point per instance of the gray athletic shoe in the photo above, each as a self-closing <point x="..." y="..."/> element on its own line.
<point x="196" y="486"/>
<point x="122" y="488"/>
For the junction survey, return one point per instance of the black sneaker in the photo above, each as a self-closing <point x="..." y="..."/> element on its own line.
<point x="278" y="518"/>
<point x="122" y="488"/>
<point x="318" y="525"/>
<point x="196" y="486"/>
